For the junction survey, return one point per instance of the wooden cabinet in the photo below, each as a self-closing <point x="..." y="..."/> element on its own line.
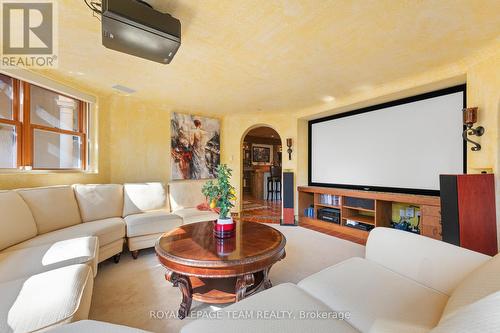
<point x="427" y="210"/>
<point x="430" y="221"/>
<point x="432" y="230"/>
<point x="464" y="215"/>
<point x="377" y="215"/>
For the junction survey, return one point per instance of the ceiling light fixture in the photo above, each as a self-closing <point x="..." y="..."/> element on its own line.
<point x="470" y="118"/>
<point x="328" y="99"/>
<point x="123" y="89"/>
<point x="289" y="150"/>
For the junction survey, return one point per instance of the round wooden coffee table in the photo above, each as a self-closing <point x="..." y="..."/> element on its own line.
<point x="217" y="271"/>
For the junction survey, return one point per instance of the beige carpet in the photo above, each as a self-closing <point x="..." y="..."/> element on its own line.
<point x="127" y="292"/>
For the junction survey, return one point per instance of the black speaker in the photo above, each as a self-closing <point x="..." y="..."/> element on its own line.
<point x="288" y="199"/>
<point x="359" y="203"/>
<point x="449" y="209"/>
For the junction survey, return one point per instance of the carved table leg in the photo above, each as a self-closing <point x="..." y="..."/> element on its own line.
<point x="267" y="282"/>
<point x="184" y="285"/>
<point x="242" y="283"/>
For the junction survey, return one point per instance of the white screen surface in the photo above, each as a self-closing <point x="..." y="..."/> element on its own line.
<point x="406" y="146"/>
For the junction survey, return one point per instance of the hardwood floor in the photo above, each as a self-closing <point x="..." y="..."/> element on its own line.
<point x="263" y="211"/>
<point x="259" y="210"/>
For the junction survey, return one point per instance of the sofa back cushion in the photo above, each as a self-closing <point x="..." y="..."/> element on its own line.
<point x="435" y="264"/>
<point x="53" y="208"/>
<point x="478" y="317"/>
<point x="100" y="201"/>
<point x="185" y="194"/>
<point x="16" y="222"/>
<point x="143" y="197"/>
<point x="481" y="282"/>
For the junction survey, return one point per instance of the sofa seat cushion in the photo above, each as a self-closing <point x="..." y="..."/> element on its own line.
<point x="143" y="197"/>
<point x="151" y="223"/>
<point x="16" y="221"/>
<point x="111" y="249"/>
<point x="52" y="207"/>
<point x="46" y="299"/>
<point x="143" y="242"/>
<point x="481" y="282"/>
<point x="33" y="260"/>
<point x="99" y="202"/>
<point x="192" y="215"/>
<point x="107" y="230"/>
<point x="373" y="293"/>
<point x="95" y="327"/>
<point x="285" y="299"/>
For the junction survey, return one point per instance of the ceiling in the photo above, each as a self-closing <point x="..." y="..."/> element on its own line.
<point x="278" y="55"/>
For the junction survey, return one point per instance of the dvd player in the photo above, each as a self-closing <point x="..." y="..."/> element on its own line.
<point x="329" y="215"/>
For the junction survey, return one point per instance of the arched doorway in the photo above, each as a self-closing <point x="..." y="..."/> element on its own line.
<point x="261" y="175"/>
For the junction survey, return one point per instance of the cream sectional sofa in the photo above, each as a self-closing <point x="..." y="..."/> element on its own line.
<point x="137" y="213"/>
<point x="184" y="197"/>
<point x="61" y="271"/>
<point x="62" y="212"/>
<point x="147" y="215"/>
<point x="149" y="210"/>
<point x="92" y="326"/>
<point x="52" y="238"/>
<point x="405" y="283"/>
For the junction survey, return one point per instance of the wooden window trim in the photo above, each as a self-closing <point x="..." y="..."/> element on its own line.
<point x="8" y="121"/>
<point x="80" y="133"/>
<point x="27" y="138"/>
<point x="25" y="129"/>
<point x="18" y="128"/>
<point x="83" y="113"/>
<point x="55" y="130"/>
<point x="15" y="121"/>
<point x="17" y="116"/>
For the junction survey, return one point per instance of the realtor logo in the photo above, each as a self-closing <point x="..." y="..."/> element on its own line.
<point x="28" y="33"/>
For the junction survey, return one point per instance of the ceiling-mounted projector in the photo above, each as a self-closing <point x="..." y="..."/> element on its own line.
<point x="134" y="27"/>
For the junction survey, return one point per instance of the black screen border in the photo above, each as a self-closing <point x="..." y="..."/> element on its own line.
<point x="442" y="92"/>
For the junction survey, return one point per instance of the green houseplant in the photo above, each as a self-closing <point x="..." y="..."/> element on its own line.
<point x="220" y="193"/>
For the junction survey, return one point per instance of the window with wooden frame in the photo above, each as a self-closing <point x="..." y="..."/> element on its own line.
<point x="41" y="129"/>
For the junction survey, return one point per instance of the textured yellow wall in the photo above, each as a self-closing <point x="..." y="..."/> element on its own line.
<point x="11" y="181"/>
<point x="483" y="90"/>
<point x="139" y="140"/>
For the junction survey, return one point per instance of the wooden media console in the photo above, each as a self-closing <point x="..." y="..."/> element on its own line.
<point x="378" y="213"/>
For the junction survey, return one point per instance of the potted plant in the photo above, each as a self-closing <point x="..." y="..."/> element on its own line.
<point x="221" y="195"/>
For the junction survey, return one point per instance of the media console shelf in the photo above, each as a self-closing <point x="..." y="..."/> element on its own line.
<point x="369" y="208"/>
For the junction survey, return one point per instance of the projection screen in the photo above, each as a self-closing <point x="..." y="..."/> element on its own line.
<point x="401" y="146"/>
